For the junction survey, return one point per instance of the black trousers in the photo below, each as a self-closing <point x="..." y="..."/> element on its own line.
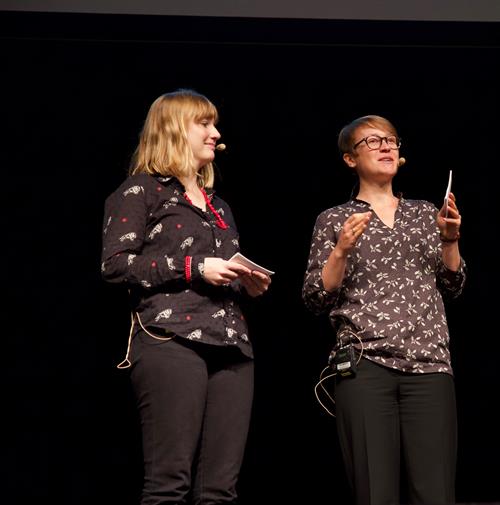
<point x="195" y="405"/>
<point x="382" y="415"/>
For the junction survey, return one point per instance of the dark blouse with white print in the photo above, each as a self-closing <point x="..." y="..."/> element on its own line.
<point x="155" y="243"/>
<point x="392" y="290"/>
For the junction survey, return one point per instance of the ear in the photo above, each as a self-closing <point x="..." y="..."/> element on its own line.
<point x="349" y="160"/>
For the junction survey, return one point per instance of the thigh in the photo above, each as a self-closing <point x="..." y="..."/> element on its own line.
<point x="170" y="383"/>
<point x="225" y="429"/>
<point x="429" y="437"/>
<point x="368" y="428"/>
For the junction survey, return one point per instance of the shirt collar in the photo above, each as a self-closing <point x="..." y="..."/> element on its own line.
<point x="177" y="183"/>
<point x="398" y="195"/>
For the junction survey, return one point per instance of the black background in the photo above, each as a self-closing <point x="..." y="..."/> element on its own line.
<point x="76" y="89"/>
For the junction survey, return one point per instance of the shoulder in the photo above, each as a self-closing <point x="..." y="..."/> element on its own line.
<point x="135" y="190"/>
<point x="419" y="210"/>
<point x="419" y="205"/>
<point x="133" y="184"/>
<point x="144" y="184"/>
<point x="340" y="212"/>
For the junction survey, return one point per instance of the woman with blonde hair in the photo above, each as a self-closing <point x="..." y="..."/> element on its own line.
<point x="169" y="238"/>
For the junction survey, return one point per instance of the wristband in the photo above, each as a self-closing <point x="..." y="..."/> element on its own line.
<point x="446" y="239"/>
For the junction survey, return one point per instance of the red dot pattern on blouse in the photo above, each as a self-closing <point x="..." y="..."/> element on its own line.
<point x="132" y="223"/>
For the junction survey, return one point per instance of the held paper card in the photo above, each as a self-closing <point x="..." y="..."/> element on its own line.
<point x="242" y="260"/>
<point x="447" y="195"/>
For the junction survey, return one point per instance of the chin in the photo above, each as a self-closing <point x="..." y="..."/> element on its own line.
<point x="208" y="158"/>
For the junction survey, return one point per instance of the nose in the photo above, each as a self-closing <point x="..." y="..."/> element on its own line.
<point x="385" y="147"/>
<point x="215" y="133"/>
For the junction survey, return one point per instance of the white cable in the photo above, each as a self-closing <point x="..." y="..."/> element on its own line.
<point x="320" y="382"/>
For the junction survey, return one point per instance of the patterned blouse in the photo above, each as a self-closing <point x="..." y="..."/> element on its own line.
<point x="392" y="292"/>
<point x="155" y="243"/>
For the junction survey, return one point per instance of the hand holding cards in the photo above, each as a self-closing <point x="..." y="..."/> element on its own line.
<point x="447" y="195"/>
<point x="242" y="260"/>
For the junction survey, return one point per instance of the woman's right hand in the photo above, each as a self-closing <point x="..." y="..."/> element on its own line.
<point x="221" y="272"/>
<point x="353" y="228"/>
<point x="334" y="270"/>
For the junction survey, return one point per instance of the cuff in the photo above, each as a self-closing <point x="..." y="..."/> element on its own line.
<point x="187" y="268"/>
<point x="196" y="268"/>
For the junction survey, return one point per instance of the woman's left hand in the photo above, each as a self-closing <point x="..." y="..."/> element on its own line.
<point x="256" y="283"/>
<point x="449" y="227"/>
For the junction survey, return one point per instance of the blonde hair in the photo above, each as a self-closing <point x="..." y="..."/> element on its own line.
<point x="346" y="135"/>
<point x="163" y="147"/>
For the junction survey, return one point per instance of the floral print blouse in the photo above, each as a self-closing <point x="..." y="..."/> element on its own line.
<point x="155" y="243"/>
<point x="392" y="292"/>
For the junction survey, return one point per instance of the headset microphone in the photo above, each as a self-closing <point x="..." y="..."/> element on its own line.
<point x="220" y="147"/>
<point x="401" y="162"/>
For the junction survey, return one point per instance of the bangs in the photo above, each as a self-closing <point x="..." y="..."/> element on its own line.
<point x="203" y="109"/>
<point x="380" y="123"/>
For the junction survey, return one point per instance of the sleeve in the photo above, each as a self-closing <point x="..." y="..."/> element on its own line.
<point x="450" y="283"/>
<point x="316" y="298"/>
<point x="125" y="258"/>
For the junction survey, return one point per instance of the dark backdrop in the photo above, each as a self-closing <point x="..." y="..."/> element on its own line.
<point x="76" y="89"/>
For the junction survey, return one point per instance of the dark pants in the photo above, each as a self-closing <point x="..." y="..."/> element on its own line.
<point x="195" y="404"/>
<point x="382" y="414"/>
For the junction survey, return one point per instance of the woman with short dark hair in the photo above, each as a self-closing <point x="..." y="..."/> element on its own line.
<point x="380" y="265"/>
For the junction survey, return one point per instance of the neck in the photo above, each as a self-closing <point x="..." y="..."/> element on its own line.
<point x="190" y="183"/>
<point x="373" y="192"/>
<point x="193" y="192"/>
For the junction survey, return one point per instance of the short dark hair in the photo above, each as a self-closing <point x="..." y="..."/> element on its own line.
<point x="346" y="135"/>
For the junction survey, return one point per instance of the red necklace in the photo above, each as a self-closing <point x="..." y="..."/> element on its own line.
<point x="218" y="219"/>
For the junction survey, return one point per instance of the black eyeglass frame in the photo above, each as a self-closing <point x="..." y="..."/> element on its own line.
<point x="380" y="139"/>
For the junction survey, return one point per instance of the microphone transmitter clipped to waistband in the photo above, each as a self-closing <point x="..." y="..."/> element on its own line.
<point x="342" y="360"/>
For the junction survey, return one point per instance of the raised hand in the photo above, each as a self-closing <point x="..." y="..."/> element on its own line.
<point x="353" y="228"/>
<point x="449" y="227"/>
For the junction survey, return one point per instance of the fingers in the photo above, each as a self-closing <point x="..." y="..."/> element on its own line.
<point x="358" y="220"/>
<point x="354" y="226"/>
<point x="231" y="271"/>
<point x="449" y="219"/>
<point x="260" y="280"/>
<point x="256" y="283"/>
<point x="451" y="211"/>
<point x="237" y="268"/>
<point x="221" y="272"/>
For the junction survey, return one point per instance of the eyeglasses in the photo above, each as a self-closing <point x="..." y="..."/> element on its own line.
<point x="375" y="142"/>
